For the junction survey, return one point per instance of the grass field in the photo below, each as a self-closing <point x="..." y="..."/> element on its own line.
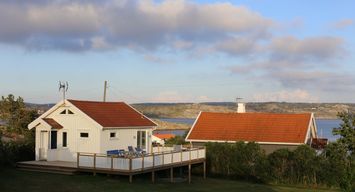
<point x="15" y="180"/>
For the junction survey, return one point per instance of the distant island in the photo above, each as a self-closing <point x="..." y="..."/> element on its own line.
<point x="191" y="110"/>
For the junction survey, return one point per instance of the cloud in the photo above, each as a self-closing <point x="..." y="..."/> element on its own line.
<point x="156" y="59"/>
<point x="140" y="25"/>
<point x="306" y="64"/>
<point x="307" y="49"/>
<point x="342" y="24"/>
<point x="297" y="95"/>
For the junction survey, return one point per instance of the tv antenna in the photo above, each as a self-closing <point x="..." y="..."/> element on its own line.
<point x="63" y="86"/>
<point x="238" y="99"/>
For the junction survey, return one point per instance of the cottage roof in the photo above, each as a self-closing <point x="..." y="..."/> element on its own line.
<point x="258" y="127"/>
<point x="164" y="136"/>
<point x="54" y="124"/>
<point x="113" y="114"/>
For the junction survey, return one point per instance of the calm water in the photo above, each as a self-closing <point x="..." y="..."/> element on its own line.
<point x="325" y="127"/>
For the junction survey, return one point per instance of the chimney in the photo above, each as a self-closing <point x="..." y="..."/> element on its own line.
<point x="241" y="105"/>
<point x="241" y="108"/>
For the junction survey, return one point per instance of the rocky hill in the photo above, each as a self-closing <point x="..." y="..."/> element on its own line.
<point x="191" y="110"/>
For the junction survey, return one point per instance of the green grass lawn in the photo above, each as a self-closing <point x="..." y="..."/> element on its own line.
<point x="16" y="180"/>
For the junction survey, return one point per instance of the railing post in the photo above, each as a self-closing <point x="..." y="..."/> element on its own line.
<point x="198" y="156"/>
<point x="142" y="163"/>
<point x="153" y="161"/>
<point x="163" y="158"/>
<point x="111" y="162"/>
<point x="172" y="157"/>
<point x="94" y="163"/>
<point x="77" y="159"/>
<point x="190" y="155"/>
<point x="181" y="156"/>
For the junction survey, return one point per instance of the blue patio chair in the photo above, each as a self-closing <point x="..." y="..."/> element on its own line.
<point x="140" y="151"/>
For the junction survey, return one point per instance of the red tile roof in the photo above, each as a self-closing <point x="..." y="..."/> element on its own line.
<point x="54" y="124"/>
<point x="164" y="136"/>
<point x="258" y="127"/>
<point x="113" y="114"/>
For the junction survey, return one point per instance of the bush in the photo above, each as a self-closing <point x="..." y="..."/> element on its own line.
<point x="239" y="160"/>
<point x="15" y="151"/>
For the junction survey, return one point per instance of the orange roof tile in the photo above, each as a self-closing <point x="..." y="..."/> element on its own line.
<point x="258" y="127"/>
<point x="113" y="114"/>
<point x="54" y="124"/>
<point x="164" y="136"/>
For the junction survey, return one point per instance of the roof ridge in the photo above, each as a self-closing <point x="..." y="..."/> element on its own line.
<point x="87" y="101"/>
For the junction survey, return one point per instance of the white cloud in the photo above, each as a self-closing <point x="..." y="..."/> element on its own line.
<point x="135" y="24"/>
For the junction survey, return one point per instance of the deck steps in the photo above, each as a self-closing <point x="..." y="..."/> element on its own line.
<point x="47" y="168"/>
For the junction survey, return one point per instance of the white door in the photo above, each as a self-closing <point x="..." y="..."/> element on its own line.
<point x="43" y="145"/>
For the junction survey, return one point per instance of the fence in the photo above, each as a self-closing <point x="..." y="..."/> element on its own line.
<point x="141" y="163"/>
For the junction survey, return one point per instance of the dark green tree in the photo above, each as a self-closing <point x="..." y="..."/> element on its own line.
<point x="15" y="114"/>
<point x="346" y="130"/>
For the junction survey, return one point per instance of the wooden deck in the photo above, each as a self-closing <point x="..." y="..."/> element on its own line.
<point x="129" y="165"/>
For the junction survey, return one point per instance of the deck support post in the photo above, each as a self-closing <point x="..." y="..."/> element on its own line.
<point x="189" y="173"/>
<point x="130" y="178"/>
<point x="204" y="169"/>
<point x="172" y="175"/>
<point x="153" y="177"/>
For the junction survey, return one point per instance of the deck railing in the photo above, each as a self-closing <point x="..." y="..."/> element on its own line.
<point x="138" y="163"/>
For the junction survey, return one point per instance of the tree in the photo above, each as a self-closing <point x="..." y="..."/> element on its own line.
<point x="347" y="140"/>
<point x="346" y="130"/>
<point x="15" y="114"/>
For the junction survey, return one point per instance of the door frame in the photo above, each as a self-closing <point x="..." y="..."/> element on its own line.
<point x="43" y="145"/>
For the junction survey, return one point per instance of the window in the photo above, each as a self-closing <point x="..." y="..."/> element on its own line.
<point x="84" y="135"/>
<point x="113" y="135"/>
<point x="70" y="112"/>
<point x="141" y="139"/>
<point x="63" y="112"/>
<point x="64" y="139"/>
<point x="53" y="139"/>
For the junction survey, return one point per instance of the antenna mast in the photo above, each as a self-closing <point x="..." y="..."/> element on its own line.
<point x="63" y="86"/>
<point x="105" y="88"/>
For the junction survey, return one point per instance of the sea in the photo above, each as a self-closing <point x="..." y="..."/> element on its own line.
<point x="324" y="126"/>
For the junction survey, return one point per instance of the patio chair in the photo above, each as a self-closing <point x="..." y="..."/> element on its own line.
<point x="131" y="150"/>
<point x="140" y="151"/>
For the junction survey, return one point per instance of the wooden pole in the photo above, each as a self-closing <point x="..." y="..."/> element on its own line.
<point x="142" y="163"/>
<point x="94" y="164"/>
<point x="77" y="159"/>
<point x="189" y="173"/>
<point x="153" y="176"/>
<point x="172" y="175"/>
<point x="204" y="170"/>
<point x="111" y="163"/>
<point x="130" y="170"/>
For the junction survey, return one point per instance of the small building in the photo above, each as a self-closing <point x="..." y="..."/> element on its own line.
<point x="73" y="126"/>
<point x="271" y="131"/>
<point x="160" y="138"/>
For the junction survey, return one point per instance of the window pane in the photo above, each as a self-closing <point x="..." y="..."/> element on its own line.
<point x="84" y="134"/>
<point x="143" y="139"/>
<point x="64" y="139"/>
<point x="70" y="112"/>
<point x="113" y="134"/>
<point x="53" y="139"/>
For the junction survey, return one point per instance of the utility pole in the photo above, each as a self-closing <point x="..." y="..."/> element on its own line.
<point x="105" y="87"/>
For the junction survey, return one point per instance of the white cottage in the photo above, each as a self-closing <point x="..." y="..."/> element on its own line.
<point x="73" y="126"/>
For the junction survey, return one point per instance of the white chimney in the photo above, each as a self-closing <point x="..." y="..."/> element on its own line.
<point x="241" y="108"/>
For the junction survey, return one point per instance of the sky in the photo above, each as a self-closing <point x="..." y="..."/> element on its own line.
<point x="178" y="50"/>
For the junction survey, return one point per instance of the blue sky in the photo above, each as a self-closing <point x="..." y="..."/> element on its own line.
<point x="179" y="51"/>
